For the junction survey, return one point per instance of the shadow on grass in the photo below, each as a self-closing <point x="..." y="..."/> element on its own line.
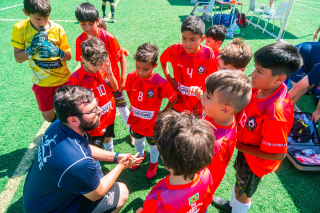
<point x="10" y="161"/>
<point x="303" y="187"/>
<point x="133" y="206"/>
<point x="16" y="206"/>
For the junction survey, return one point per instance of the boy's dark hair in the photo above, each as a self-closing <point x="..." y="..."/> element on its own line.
<point x="102" y="24"/>
<point x="147" y="53"/>
<point x="280" y="58"/>
<point x="233" y="87"/>
<point x="67" y="99"/>
<point x="87" y="12"/>
<point x="94" y="51"/>
<point x="193" y="24"/>
<point x="185" y="143"/>
<point x="41" y="7"/>
<point x="237" y="54"/>
<point x="217" y="32"/>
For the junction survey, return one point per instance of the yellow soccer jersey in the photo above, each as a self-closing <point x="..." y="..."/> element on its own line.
<point x="47" y="72"/>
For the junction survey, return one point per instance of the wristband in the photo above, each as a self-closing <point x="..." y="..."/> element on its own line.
<point x="116" y="157"/>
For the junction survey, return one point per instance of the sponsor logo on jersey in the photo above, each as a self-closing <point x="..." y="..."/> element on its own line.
<point x="251" y="123"/>
<point x="48" y="64"/>
<point x="200" y="69"/>
<point x="106" y="80"/>
<point x="148" y="115"/>
<point x="105" y="108"/>
<point x="150" y="94"/>
<point x="185" y="90"/>
<point x="193" y="199"/>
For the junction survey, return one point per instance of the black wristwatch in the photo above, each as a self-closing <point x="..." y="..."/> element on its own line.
<point x="116" y="157"/>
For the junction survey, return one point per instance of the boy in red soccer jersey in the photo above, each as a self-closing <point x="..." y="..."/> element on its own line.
<point x="264" y="124"/>
<point x="145" y="90"/>
<point x="227" y="93"/>
<point x="191" y="62"/>
<point x="235" y="56"/>
<point x="47" y="62"/>
<point x="185" y="144"/>
<point x="96" y="74"/>
<point x="88" y="17"/>
<point x="215" y="36"/>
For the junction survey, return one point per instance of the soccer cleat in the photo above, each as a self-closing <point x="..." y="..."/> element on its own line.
<point x="113" y="20"/>
<point x="135" y="167"/>
<point x="106" y="18"/>
<point x="152" y="171"/>
<point x="222" y="204"/>
<point x="270" y="11"/>
<point x="296" y="109"/>
<point x="117" y="113"/>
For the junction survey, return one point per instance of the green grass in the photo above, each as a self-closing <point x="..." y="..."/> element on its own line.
<point x="158" y="21"/>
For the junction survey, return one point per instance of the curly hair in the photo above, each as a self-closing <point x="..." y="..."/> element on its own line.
<point x="147" y="53"/>
<point x="94" y="51"/>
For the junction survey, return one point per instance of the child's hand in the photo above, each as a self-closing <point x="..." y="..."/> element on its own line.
<point x="173" y="83"/>
<point x="315" y="116"/>
<point x="106" y="67"/>
<point x="198" y="92"/>
<point x="139" y="210"/>
<point x="136" y="160"/>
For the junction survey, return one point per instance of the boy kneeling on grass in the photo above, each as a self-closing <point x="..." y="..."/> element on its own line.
<point x="185" y="144"/>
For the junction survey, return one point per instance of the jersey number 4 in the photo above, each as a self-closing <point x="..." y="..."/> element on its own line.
<point x="189" y="72"/>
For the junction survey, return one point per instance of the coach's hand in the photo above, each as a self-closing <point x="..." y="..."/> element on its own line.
<point x="51" y="51"/>
<point x="35" y="44"/>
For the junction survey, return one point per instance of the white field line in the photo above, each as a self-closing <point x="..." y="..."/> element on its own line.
<point x="257" y="25"/>
<point x="307" y="1"/>
<point x="50" y="20"/>
<point x="306" y="6"/>
<point x="14" y="182"/>
<point x="11" y="7"/>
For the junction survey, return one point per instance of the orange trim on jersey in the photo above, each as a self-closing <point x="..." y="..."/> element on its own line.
<point x="255" y="96"/>
<point x="183" y="186"/>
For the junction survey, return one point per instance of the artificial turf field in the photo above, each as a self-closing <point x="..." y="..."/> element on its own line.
<point x="155" y="21"/>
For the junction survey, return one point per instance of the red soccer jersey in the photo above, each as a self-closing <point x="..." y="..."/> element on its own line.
<point x="216" y="55"/>
<point x="266" y="123"/>
<point x="99" y="84"/>
<point x="226" y="138"/>
<point x="189" y="198"/>
<point x="189" y="70"/>
<point x="113" y="48"/>
<point x="145" y="97"/>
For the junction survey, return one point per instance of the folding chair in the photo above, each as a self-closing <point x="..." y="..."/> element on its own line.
<point x="278" y="15"/>
<point x="200" y="9"/>
<point x="252" y="7"/>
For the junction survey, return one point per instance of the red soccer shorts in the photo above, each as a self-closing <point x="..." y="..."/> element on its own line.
<point x="44" y="96"/>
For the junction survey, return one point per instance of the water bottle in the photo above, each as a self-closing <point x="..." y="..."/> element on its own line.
<point x="44" y="34"/>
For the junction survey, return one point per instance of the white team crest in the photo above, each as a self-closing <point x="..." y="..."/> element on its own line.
<point x="46" y="148"/>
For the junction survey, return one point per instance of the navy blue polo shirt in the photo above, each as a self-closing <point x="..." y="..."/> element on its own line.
<point x="63" y="170"/>
<point x="310" y="52"/>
